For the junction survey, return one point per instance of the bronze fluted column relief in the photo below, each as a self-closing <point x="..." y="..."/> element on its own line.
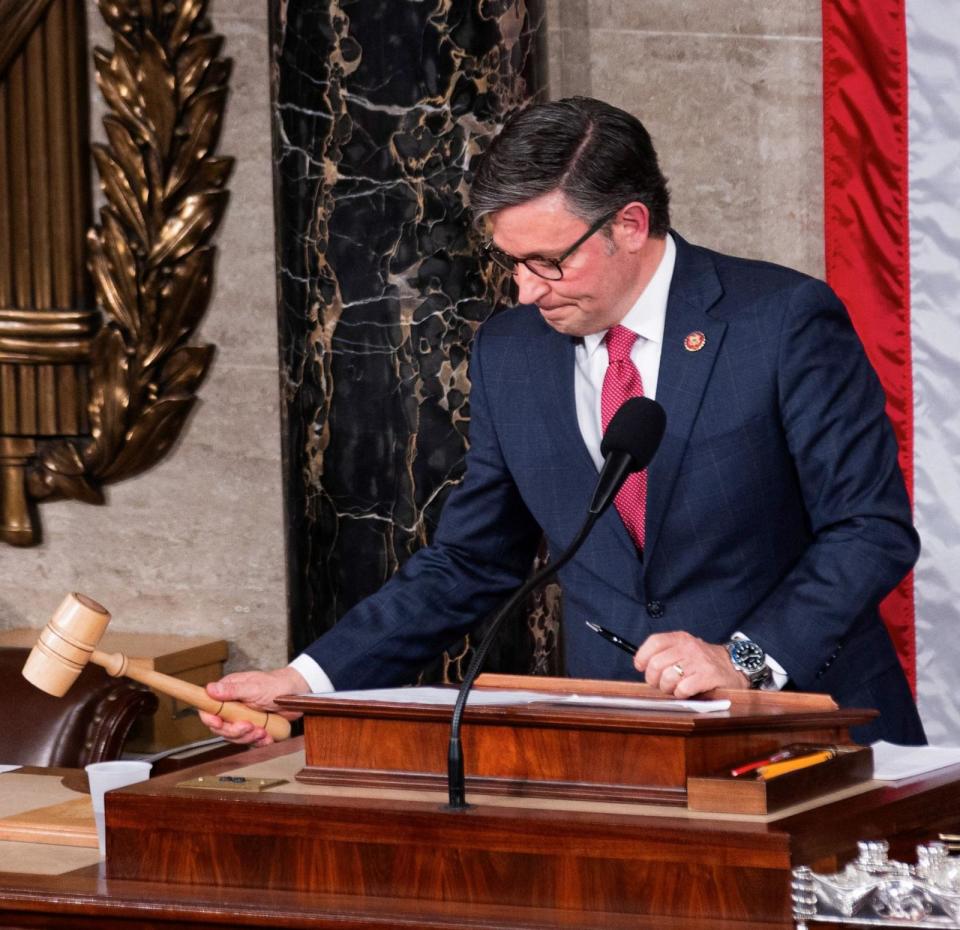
<point x="91" y="396"/>
<point x="47" y="315"/>
<point x="379" y="108"/>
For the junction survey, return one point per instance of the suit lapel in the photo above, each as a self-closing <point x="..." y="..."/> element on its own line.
<point x="559" y="363"/>
<point x="684" y="374"/>
<point x="556" y="359"/>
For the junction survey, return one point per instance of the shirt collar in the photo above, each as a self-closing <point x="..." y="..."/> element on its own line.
<point x="648" y="315"/>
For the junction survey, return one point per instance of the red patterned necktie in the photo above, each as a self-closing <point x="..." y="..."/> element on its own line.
<point x="622" y="380"/>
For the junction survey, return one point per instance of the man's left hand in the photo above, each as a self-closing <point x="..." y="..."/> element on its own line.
<point x="683" y="665"/>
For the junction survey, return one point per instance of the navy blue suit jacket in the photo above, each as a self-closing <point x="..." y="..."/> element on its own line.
<point x="775" y="503"/>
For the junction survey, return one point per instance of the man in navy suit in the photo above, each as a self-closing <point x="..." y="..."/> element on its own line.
<point x="774" y="517"/>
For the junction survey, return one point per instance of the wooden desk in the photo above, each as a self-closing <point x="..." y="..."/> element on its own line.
<point x="84" y="900"/>
<point x="51" y="887"/>
<point x="306" y="835"/>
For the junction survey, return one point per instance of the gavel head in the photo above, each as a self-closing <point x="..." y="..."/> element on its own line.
<point x="66" y="644"/>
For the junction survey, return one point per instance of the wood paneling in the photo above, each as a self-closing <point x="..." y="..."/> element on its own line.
<point x="586" y="858"/>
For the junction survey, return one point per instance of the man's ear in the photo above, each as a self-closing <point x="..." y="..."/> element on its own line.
<point x="632" y="226"/>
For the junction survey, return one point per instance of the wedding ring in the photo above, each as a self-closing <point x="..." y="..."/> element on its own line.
<point x="678" y="668"/>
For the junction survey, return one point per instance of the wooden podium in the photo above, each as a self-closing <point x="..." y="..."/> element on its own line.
<point x="575" y="811"/>
<point x="549" y="749"/>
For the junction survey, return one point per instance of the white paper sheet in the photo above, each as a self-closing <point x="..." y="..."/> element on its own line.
<point x="431" y="696"/>
<point x="8" y="768"/>
<point x="696" y="707"/>
<point x="447" y="697"/>
<point x="893" y="763"/>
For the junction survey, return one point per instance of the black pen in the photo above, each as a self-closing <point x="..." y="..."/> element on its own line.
<point x="613" y="638"/>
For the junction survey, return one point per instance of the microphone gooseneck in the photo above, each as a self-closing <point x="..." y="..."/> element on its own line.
<point x="630" y="442"/>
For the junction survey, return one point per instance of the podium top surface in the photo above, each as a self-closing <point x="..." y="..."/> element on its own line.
<point x="749" y="710"/>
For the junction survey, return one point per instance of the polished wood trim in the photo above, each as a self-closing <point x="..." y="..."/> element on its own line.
<point x="746" y="699"/>
<point x="509" y="787"/>
<point x="86" y="899"/>
<point x="586" y="859"/>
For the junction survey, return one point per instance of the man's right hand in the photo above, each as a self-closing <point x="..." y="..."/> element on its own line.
<point x="258" y="689"/>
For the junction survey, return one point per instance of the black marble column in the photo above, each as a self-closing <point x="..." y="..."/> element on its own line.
<point x="379" y="106"/>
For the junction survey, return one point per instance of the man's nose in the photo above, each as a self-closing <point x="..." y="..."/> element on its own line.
<point x="531" y="288"/>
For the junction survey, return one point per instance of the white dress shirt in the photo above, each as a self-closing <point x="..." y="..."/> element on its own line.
<point x="316" y="677"/>
<point x="646" y="318"/>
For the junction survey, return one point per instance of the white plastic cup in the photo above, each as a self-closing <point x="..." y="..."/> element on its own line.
<point x="105" y="776"/>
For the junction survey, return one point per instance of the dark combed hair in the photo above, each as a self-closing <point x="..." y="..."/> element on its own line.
<point x="598" y="156"/>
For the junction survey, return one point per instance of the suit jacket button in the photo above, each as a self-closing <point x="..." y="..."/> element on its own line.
<point x="655" y="609"/>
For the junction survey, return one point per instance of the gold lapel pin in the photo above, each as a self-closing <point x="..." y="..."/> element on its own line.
<point x="695" y="341"/>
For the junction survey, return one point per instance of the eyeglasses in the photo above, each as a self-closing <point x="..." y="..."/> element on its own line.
<point x="548" y="268"/>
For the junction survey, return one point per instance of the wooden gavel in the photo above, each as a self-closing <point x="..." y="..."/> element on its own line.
<point x="68" y="642"/>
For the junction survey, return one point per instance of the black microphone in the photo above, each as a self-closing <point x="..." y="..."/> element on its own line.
<point x="631" y="440"/>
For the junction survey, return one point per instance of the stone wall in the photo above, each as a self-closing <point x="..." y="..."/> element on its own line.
<point x="730" y="91"/>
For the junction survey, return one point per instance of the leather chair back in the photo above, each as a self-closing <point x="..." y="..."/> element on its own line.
<point x="88" y="724"/>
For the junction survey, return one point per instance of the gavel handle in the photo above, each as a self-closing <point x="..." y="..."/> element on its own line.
<point x="117" y="664"/>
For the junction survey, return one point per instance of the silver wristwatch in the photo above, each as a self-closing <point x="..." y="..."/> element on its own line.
<point x="747" y="657"/>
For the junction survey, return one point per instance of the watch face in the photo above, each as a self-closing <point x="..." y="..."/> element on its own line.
<point x="747" y="655"/>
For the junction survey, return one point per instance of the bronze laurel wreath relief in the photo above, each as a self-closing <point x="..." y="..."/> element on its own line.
<point x="150" y="257"/>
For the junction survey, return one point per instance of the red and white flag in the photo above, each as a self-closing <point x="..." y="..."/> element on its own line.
<point x="891" y="106"/>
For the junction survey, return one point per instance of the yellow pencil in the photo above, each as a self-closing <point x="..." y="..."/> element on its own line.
<point x="792" y="765"/>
